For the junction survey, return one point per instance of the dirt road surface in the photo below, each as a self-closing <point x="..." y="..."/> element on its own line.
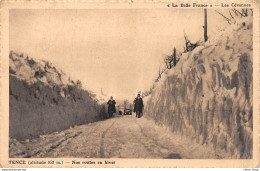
<point x="118" y="137"/>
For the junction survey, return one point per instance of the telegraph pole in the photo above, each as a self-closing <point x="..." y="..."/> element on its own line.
<point x="205" y="25"/>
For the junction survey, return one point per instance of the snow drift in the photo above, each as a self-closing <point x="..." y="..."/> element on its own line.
<point x="208" y="95"/>
<point x="43" y="99"/>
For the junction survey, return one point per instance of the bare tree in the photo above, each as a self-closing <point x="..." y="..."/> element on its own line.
<point x="244" y="12"/>
<point x="169" y="61"/>
<point x="189" y="46"/>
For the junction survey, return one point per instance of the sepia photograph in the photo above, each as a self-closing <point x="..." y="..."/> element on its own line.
<point x="131" y="83"/>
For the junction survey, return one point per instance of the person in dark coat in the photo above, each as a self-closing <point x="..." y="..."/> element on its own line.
<point x="111" y="106"/>
<point x="135" y="107"/>
<point x="135" y="104"/>
<point x="139" y="105"/>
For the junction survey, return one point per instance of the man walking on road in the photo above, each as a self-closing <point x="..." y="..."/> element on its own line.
<point x="111" y="106"/>
<point x="135" y="107"/>
<point x="139" y="105"/>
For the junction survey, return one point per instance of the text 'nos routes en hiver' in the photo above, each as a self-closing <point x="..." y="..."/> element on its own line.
<point x="60" y="162"/>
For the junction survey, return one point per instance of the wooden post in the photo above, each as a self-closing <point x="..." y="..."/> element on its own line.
<point x="205" y="25"/>
<point x="174" y="57"/>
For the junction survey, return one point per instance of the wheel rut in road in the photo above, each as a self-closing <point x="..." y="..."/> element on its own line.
<point x="102" y="154"/>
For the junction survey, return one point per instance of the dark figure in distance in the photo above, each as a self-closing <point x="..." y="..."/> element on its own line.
<point x="111" y="106"/>
<point x="138" y="105"/>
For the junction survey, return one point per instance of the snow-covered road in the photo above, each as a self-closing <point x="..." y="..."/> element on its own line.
<point x="118" y="137"/>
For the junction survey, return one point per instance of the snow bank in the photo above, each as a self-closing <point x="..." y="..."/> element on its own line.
<point x="43" y="99"/>
<point x="208" y="95"/>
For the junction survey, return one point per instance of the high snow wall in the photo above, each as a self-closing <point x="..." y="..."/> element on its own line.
<point x="42" y="99"/>
<point x="208" y="96"/>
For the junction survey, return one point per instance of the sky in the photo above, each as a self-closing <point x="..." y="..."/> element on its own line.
<point x="116" y="50"/>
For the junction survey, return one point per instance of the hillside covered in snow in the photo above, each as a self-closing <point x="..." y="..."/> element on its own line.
<point x="208" y="96"/>
<point x="43" y="99"/>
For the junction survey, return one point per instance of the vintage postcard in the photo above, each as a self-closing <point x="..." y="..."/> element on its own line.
<point x="129" y="83"/>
